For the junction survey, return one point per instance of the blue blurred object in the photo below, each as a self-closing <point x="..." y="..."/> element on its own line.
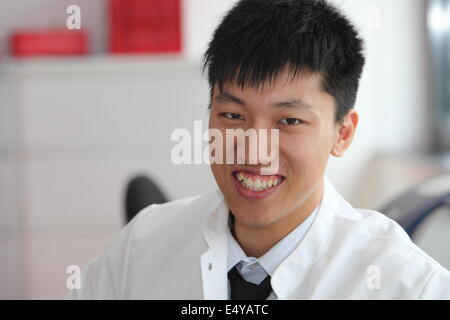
<point x="417" y="204"/>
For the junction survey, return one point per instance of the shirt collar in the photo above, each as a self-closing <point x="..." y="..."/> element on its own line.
<point x="271" y="259"/>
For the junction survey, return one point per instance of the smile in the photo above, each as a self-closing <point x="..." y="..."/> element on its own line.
<point x="256" y="186"/>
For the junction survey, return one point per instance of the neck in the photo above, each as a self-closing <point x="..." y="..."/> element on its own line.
<point x="256" y="241"/>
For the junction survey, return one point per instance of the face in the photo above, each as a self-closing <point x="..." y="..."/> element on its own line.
<point x="304" y="115"/>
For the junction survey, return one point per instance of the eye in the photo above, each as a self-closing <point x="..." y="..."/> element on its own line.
<point x="291" y="121"/>
<point x="232" y="116"/>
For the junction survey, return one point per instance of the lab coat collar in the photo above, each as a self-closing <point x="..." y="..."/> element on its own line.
<point x="294" y="268"/>
<point x="213" y="262"/>
<point x="289" y="273"/>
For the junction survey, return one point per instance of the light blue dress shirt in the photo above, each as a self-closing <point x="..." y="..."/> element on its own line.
<point x="255" y="270"/>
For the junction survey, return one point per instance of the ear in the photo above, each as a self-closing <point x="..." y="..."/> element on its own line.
<point x="345" y="133"/>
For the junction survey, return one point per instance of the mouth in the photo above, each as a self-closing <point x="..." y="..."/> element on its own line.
<point x="254" y="186"/>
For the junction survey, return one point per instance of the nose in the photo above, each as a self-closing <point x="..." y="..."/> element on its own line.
<point x="258" y="147"/>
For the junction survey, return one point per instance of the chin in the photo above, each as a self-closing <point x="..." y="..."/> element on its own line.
<point x="253" y="219"/>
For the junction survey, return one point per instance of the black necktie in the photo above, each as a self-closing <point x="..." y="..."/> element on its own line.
<point x="244" y="290"/>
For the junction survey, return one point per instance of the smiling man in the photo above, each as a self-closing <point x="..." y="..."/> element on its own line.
<point x="307" y="135"/>
<point x="292" y="66"/>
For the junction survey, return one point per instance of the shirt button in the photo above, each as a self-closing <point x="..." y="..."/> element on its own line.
<point x="210" y="266"/>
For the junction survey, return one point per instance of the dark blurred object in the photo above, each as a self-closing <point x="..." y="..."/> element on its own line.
<point x="48" y="42"/>
<point x="144" y="26"/>
<point x="141" y="192"/>
<point x="414" y="206"/>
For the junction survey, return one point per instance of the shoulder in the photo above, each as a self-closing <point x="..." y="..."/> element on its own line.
<point x="376" y="240"/>
<point x="186" y="212"/>
<point x="106" y="276"/>
<point x="381" y="233"/>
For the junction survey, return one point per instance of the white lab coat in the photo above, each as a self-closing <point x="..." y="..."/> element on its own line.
<point x="178" y="250"/>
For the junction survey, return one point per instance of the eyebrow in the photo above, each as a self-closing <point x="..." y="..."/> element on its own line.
<point x="294" y="103"/>
<point x="228" y="97"/>
<point x="290" y="103"/>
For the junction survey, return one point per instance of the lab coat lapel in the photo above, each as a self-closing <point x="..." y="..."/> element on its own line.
<point x="288" y="277"/>
<point x="214" y="261"/>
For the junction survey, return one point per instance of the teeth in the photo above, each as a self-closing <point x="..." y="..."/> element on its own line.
<point x="256" y="185"/>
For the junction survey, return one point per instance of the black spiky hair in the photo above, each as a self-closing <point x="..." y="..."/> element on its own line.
<point x="258" y="39"/>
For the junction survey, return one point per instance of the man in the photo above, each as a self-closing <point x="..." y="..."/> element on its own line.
<point x="283" y="233"/>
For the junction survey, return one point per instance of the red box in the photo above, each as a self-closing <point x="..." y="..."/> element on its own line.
<point x="142" y="26"/>
<point x="49" y="42"/>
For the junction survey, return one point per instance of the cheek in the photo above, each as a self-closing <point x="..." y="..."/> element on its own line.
<point x="304" y="153"/>
<point x="220" y="175"/>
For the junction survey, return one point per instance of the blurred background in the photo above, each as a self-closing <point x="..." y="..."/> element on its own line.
<point x="91" y="90"/>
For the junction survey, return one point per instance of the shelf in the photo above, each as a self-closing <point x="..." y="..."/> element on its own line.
<point x="103" y="64"/>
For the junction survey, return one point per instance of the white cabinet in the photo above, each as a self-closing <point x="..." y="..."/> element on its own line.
<point x="72" y="134"/>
